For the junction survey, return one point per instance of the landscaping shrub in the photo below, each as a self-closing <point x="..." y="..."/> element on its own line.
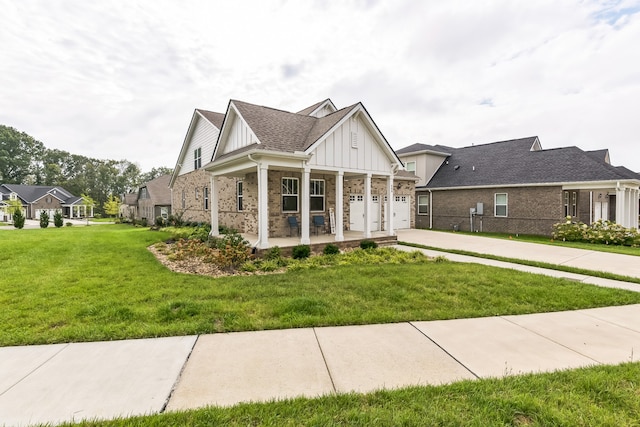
<point x="69" y="224"/>
<point x="18" y="218"/>
<point x="301" y="251"/>
<point x="160" y="222"/>
<point x="57" y="219"/>
<point x="331" y="249"/>
<point x="273" y="253"/>
<point x="232" y="250"/>
<point x="143" y="222"/>
<point x="44" y="220"/>
<point x="600" y="232"/>
<point x="368" y="244"/>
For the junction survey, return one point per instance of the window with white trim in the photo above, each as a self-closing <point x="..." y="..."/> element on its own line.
<point x="316" y="195"/>
<point x="571" y="203"/>
<point x="290" y="194"/>
<point x="411" y="167"/>
<point x="197" y="158"/>
<point x="423" y="205"/>
<point x="205" y="194"/>
<point x="184" y="200"/>
<point x="197" y="193"/>
<point x="501" y="205"/>
<point x="239" y="196"/>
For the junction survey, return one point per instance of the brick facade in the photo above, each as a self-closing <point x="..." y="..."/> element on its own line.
<point x="531" y="210"/>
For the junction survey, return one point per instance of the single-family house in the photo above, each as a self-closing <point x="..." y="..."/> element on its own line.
<point x="36" y="199"/>
<point x="154" y="199"/>
<point x="516" y="186"/>
<point x="129" y="206"/>
<point x="189" y="183"/>
<point x="274" y="173"/>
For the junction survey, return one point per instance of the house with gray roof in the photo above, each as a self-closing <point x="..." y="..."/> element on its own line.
<point x="36" y="199"/>
<point x="516" y="186"/>
<point x="270" y="168"/>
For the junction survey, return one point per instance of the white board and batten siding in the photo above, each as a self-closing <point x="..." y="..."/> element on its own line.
<point x="204" y="136"/>
<point x="239" y="135"/>
<point x="352" y="147"/>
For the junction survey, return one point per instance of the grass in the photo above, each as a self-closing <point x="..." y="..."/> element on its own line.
<point x="101" y="283"/>
<point x="549" y="266"/>
<point x="596" y="396"/>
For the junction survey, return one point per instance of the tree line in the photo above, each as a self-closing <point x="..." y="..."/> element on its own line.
<point x="25" y="160"/>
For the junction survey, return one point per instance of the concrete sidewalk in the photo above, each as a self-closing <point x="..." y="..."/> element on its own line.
<point x="625" y="265"/>
<point x="64" y="382"/>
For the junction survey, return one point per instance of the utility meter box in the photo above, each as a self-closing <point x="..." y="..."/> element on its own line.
<point x="479" y="208"/>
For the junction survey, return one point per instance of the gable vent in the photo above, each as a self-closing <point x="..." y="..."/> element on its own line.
<point x="354" y="140"/>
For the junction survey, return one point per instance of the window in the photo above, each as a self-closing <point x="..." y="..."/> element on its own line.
<point x="574" y="204"/>
<point x="197" y="193"/>
<point x="289" y="194"/>
<point x="570" y="203"/>
<point x="566" y="203"/>
<point x="205" y="193"/>
<point x="239" y="195"/>
<point x="317" y="195"/>
<point x="143" y="193"/>
<point x="501" y="201"/>
<point x="13" y="196"/>
<point x="197" y="158"/>
<point x="184" y="200"/>
<point x="411" y="167"/>
<point x="423" y="205"/>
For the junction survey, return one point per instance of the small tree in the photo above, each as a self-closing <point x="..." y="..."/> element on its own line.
<point x="87" y="202"/>
<point x="18" y="218"/>
<point x="57" y="219"/>
<point x="44" y="219"/>
<point x="112" y="206"/>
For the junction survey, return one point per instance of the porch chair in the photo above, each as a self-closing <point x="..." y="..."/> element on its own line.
<point x="293" y="224"/>
<point x="318" y="223"/>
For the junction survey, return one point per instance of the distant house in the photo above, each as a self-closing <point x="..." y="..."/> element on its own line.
<point x="152" y="200"/>
<point x="516" y="186"/>
<point x="259" y="170"/>
<point x="36" y="199"/>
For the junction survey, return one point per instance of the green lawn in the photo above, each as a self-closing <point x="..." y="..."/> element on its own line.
<point x="101" y="283"/>
<point x="598" y="396"/>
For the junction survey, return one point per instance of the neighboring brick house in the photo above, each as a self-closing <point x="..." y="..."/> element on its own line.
<point x="154" y="199"/>
<point x="269" y="165"/>
<point x="517" y="187"/>
<point x="189" y="183"/>
<point x="129" y="206"/>
<point x="36" y="199"/>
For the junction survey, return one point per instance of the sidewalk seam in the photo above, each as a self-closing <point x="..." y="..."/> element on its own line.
<point x="326" y="365"/>
<point x="34" y="369"/>
<point x="444" y="350"/>
<point x="175" y="383"/>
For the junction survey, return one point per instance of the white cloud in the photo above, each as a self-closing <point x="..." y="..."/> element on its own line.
<point x="120" y="79"/>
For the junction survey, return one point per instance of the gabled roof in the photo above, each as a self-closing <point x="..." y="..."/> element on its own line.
<point x="278" y="130"/>
<point x="522" y="161"/>
<point x="600" y="155"/>
<point x="215" y="119"/>
<point x="130" y="199"/>
<point x="33" y="193"/>
<point x="425" y="148"/>
<point x="309" y="111"/>
<point x="158" y="190"/>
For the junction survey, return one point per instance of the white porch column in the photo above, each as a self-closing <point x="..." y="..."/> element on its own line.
<point x="635" y="197"/>
<point x="340" y="206"/>
<point x="390" y="210"/>
<point x="91" y="211"/>
<point x="263" y="206"/>
<point x="304" y="207"/>
<point x="71" y="211"/>
<point x="213" y="205"/>
<point x="620" y="214"/>
<point x="367" y="206"/>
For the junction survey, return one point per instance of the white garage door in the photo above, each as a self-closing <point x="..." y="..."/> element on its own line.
<point x="401" y="212"/>
<point x="356" y="212"/>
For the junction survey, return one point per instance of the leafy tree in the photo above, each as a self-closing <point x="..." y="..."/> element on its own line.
<point x="112" y="206"/>
<point x="18" y="152"/>
<point x="18" y="218"/>
<point x="57" y="219"/>
<point x="88" y="202"/>
<point x="44" y="219"/>
<point x="154" y="173"/>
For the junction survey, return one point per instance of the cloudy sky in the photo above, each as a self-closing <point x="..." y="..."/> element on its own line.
<point x="120" y="79"/>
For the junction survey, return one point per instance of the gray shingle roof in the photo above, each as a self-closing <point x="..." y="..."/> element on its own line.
<point x="512" y="162"/>
<point x="423" y="147"/>
<point x="215" y="118"/>
<point x="279" y="130"/>
<point x="31" y="193"/>
<point x="310" y="109"/>
<point x="159" y="191"/>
